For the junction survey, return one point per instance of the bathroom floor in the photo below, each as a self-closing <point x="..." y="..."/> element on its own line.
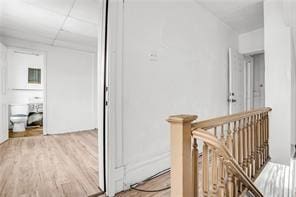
<point x="33" y="131"/>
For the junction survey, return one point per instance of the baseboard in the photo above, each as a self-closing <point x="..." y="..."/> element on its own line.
<point x="68" y="131"/>
<point x="2" y="141"/>
<point x="140" y="171"/>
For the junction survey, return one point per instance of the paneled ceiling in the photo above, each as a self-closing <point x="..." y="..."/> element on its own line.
<point x="241" y="15"/>
<point x="63" y="23"/>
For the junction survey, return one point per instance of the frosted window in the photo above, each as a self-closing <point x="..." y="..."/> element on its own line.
<point x="34" y="75"/>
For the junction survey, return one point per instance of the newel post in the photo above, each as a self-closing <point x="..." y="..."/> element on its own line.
<point x="181" y="164"/>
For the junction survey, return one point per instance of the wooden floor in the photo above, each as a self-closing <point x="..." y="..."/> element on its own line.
<point x="49" y="166"/>
<point x="275" y="180"/>
<point x="155" y="184"/>
<point x="33" y="131"/>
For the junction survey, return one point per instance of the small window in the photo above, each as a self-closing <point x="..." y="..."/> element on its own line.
<point x="34" y="76"/>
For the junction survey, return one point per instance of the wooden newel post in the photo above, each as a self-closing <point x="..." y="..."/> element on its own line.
<point x="181" y="164"/>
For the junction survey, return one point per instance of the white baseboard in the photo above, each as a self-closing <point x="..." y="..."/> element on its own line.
<point x="140" y="171"/>
<point x="68" y="131"/>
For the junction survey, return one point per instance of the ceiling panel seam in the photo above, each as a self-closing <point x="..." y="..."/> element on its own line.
<point x="62" y="26"/>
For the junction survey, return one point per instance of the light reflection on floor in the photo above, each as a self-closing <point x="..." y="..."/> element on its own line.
<point x="277" y="180"/>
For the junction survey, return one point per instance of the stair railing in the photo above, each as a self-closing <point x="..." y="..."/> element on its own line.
<point x="234" y="150"/>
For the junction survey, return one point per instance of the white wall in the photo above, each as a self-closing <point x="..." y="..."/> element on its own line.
<point x="252" y="42"/>
<point x="293" y="62"/>
<point x="70" y="86"/>
<point x="174" y="60"/>
<point x="278" y="74"/>
<point x="70" y="92"/>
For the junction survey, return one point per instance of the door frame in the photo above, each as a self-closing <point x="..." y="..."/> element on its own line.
<point x="44" y="74"/>
<point x="4" y="106"/>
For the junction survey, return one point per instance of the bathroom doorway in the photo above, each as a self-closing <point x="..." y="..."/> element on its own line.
<point x="25" y="92"/>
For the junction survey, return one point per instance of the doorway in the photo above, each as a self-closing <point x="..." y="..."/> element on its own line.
<point x="246" y="76"/>
<point x="259" y="80"/>
<point x="26" y="86"/>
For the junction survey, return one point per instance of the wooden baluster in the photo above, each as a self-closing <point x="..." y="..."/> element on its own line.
<point x="195" y="167"/>
<point x="214" y="170"/>
<point x="249" y="147"/>
<point x="222" y="139"/>
<point x="267" y="136"/>
<point x="221" y="189"/>
<point x="230" y="179"/>
<point x="263" y="139"/>
<point x="205" y="168"/>
<point x="229" y="139"/>
<point x="240" y="144"/>
<point x="245" y="145"/>
<point x="235" y="154"/>
<point x="235" y="141"/>
<point x="253" y="146"/>
<point x="258" y="160"/>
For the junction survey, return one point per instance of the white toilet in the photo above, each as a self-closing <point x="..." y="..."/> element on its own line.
<point x="19" y="117"/>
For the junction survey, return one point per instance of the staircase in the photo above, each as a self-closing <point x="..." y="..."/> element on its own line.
<point x="233" y="149"/>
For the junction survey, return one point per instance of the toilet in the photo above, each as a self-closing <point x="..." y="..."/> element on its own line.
<point x="19" y="117"/>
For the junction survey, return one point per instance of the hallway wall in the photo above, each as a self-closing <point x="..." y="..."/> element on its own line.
<point x="278" y="80"/>
<point x="174" y="60"/>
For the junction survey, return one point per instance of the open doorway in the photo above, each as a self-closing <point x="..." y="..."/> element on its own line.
<point x="63" y="96"/>
<point x="246" y="76"/>
<point x="259" y="80"/>
<point x="254" y="81"/>
<point x="26" y="73"/>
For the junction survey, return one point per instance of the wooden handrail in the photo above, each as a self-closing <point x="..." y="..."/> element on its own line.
<point x="228" y="159"/>
<point x="234" y="148"/>
<point x="214" y="122"/>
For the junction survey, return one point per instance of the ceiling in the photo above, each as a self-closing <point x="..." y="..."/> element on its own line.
<point x="241" y="15"/>
<point x="64" y="23"/>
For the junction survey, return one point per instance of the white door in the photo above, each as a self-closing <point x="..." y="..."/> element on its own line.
<point x="3" y="100"/>
<point x="236" y="80"/>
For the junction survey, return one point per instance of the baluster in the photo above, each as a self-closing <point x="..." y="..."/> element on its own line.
<point x="205" y="168"/>
<point x="253" y="146"/>
<point x="240" y="144"/>
<point x="249" y="147"/>
<point x="221" y="189"/>
<point x="230" y="179"/>
<point x="245" y="143"/>
<point x="195" y="167"/>
<point x="214" y="173"/>
<point x="230" y="184"/>
<point x="235" y="141"/>
<point x="229" y="139"/>
<point x="258" y="160"/>
<point x="267" y="136"/>
<point x="235" y="154"/>
<point x="263" y="139"/>
<point x="222" y="139"/>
